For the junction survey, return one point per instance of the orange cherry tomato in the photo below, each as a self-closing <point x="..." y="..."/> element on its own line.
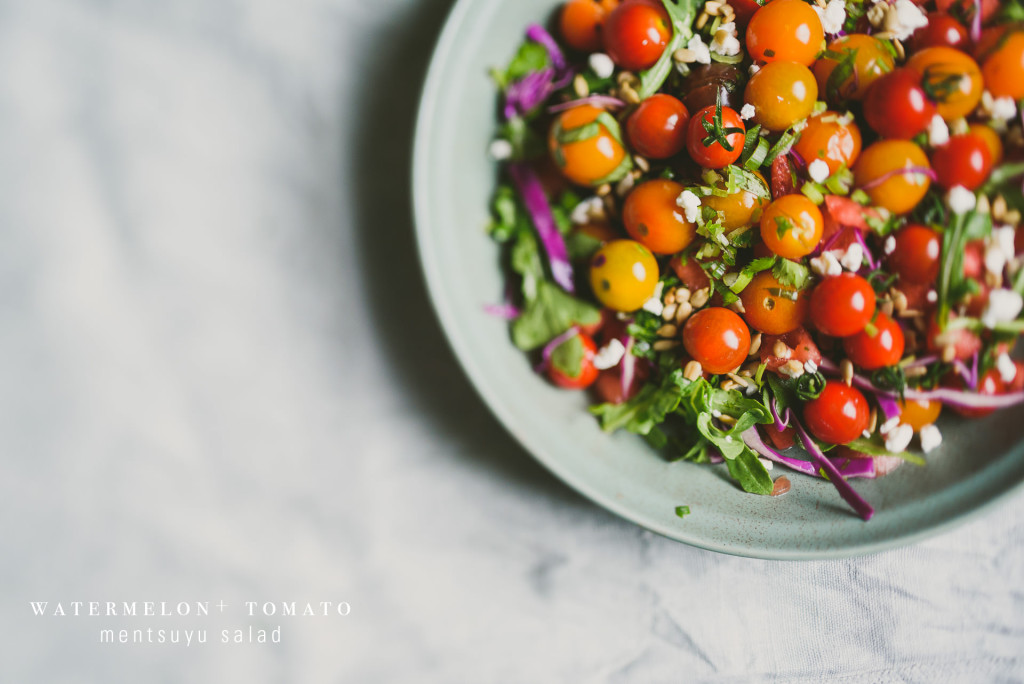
<point x="1002" y="61"/>
<point x="737" y="209"/>
<point x="589" y="160"/>
<point x="717" y="338"/>
<point x="949" y="77"/>
<point x="785" y="30"/>
<point x="623" y="275"/>
<point x="831" y="137"/>
<point x="871" y="60"/>
<point x="781" y="93"/>
<point x="581" y="21"/>
<point x="653" y="218"/>
<point x="771" y="307"/>
<point x="791" y="226"/>
<point x="886" y="172"/>
<point x="991" y="138"/>
<point x="919" y="412"/>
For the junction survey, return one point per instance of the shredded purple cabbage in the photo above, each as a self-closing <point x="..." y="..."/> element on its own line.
<point x="528" y="92"/>
<point x="538" y="34"/>
<point x="856" y="501"/>
<point x="781" y="421"/>
<point x="628" y="367"/>
<point x="536" y="202"/>
<point x="603" y="101"/>
<point x="507" y="311"/>
<point x="550" y="347"/>
<point x="872" y="263"/>
<point x="902" y="171"/>
<point x="946" y="395"/>
<point x="976" y="22"/>
<point x="890" y="407"/>
<point x="848" y="467"/>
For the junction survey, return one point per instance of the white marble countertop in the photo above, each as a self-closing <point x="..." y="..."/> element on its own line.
<point x="222" y="382"/>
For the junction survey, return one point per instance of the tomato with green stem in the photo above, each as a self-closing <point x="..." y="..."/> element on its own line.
<point x="636" y="33"/>
<point x="791" y="226"/>
<point x="964" y="160"/>
<point x="950" y="78"/>
<point x="833" y="138"/>
<point x="896" y="105"/>
<point x="581" y="23"/>
<point x="717" y="338"/>
<point x="839" y="415"/>
<point x="842" y="305"/>
<point x="850" y="65"/>
<point x="785" y="30"/>
<point x="657" y="127"/>
<point x="653" y="218"/>
<point x="623" y="275"/>
<point x="894" y="173"/>
<point x="916" y="256"/>
<point x="715" y="136"/>
<point x="781" y="94"/>
<point x="771" y="307"/>
<point x="585" y="145"/>
<point x="880" y="344"/>
<point x="579" y="352"/>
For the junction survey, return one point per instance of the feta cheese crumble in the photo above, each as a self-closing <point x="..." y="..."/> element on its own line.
<point x="818" y="170"/>
<point x="654" y="305"/>
<point x="587" y="210"/>
<point x="826" y="265"/>
<point x="500" y="149"/>
<point x="889" y="425"/>
<point x="853" y="259"/>
<point x="1000" y="109"/>
<point x="938" y="131"/>
<point x="609" y="355"/>
<point x="725" y="41"/>
<point x="1003" y="305"/>
<point x="890" y="245"/>
<point x="1006" y="367"/>
<point x="931" y="438"/>
<point x="961" y="200"/>
<point x="810" y="366"/>
<point x="832" y="15"/>
<point x="900" y="18"/>
<point x="747" y="112"/>
<point x="601" y="64"/>
<point x="697" y="47"/>
<point x="690" y="203"/>
<point x="898" y="439"/>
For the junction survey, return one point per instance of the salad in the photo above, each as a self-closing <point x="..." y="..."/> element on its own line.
<point x="748" y="227"/>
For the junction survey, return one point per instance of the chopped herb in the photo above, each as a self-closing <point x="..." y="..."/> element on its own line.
<point x="682" y="511"/>
<point x="792" y="273"/>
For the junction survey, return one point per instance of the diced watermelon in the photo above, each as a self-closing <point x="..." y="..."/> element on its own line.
<point x="782" y="176"/>
<point x="799" y="341"/>
<point x="690" y="273"/>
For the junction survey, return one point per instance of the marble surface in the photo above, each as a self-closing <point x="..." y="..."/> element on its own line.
<point x="222" y="381"/>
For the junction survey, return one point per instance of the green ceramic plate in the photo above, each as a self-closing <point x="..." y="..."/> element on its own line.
<point x="453" y="179"/>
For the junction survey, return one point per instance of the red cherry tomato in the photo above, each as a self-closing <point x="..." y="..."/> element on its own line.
<point x="989" y="384"/>
<point x="942" y="29"/>
<point x="713" y="154"/>
<point x="801" y="348"/>
<point x="842" y="305"/>
<point x="881" y="347"/>
<point x="636" y="33"/>
<point x="916" y="257"/>
<point x="609" y="384"/>
<point x="717" y="338"/>
<point x="896" y="105"/>
<point x="839" y="415"/>
<point x="581" y="23"/>
<point x="964" y="342"/>
<point x="657" y="128"/>
<point x="586" y="374"/>
<point x="965" y="160"/>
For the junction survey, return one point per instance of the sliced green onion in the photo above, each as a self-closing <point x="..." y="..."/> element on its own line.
<point x="813" y="191"/>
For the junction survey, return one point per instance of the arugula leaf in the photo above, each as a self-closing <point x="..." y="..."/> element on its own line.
<point x="568" y="357"/>
<point x="530" y="57"/>
<point x="875" y="447"/>
<point x="647" y="409"/>
<point x="748" y="470"/>
<point x="792" y="273"/>
<point x="549" y="314"/>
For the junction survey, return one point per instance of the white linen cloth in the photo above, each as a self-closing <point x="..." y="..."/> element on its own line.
<point x="222" y="381"/>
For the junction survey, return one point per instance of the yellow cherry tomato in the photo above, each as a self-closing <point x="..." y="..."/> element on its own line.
<point x="949" y="77"/>
<point x="871" y="59"/>
<point x="919" y="412"/>
<point x="583" y="148"/>
<point x="781" y="93"/>
<point x="886" y="172"/>
<point x="623" y="275"/>
<point x="791" y="226"/>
